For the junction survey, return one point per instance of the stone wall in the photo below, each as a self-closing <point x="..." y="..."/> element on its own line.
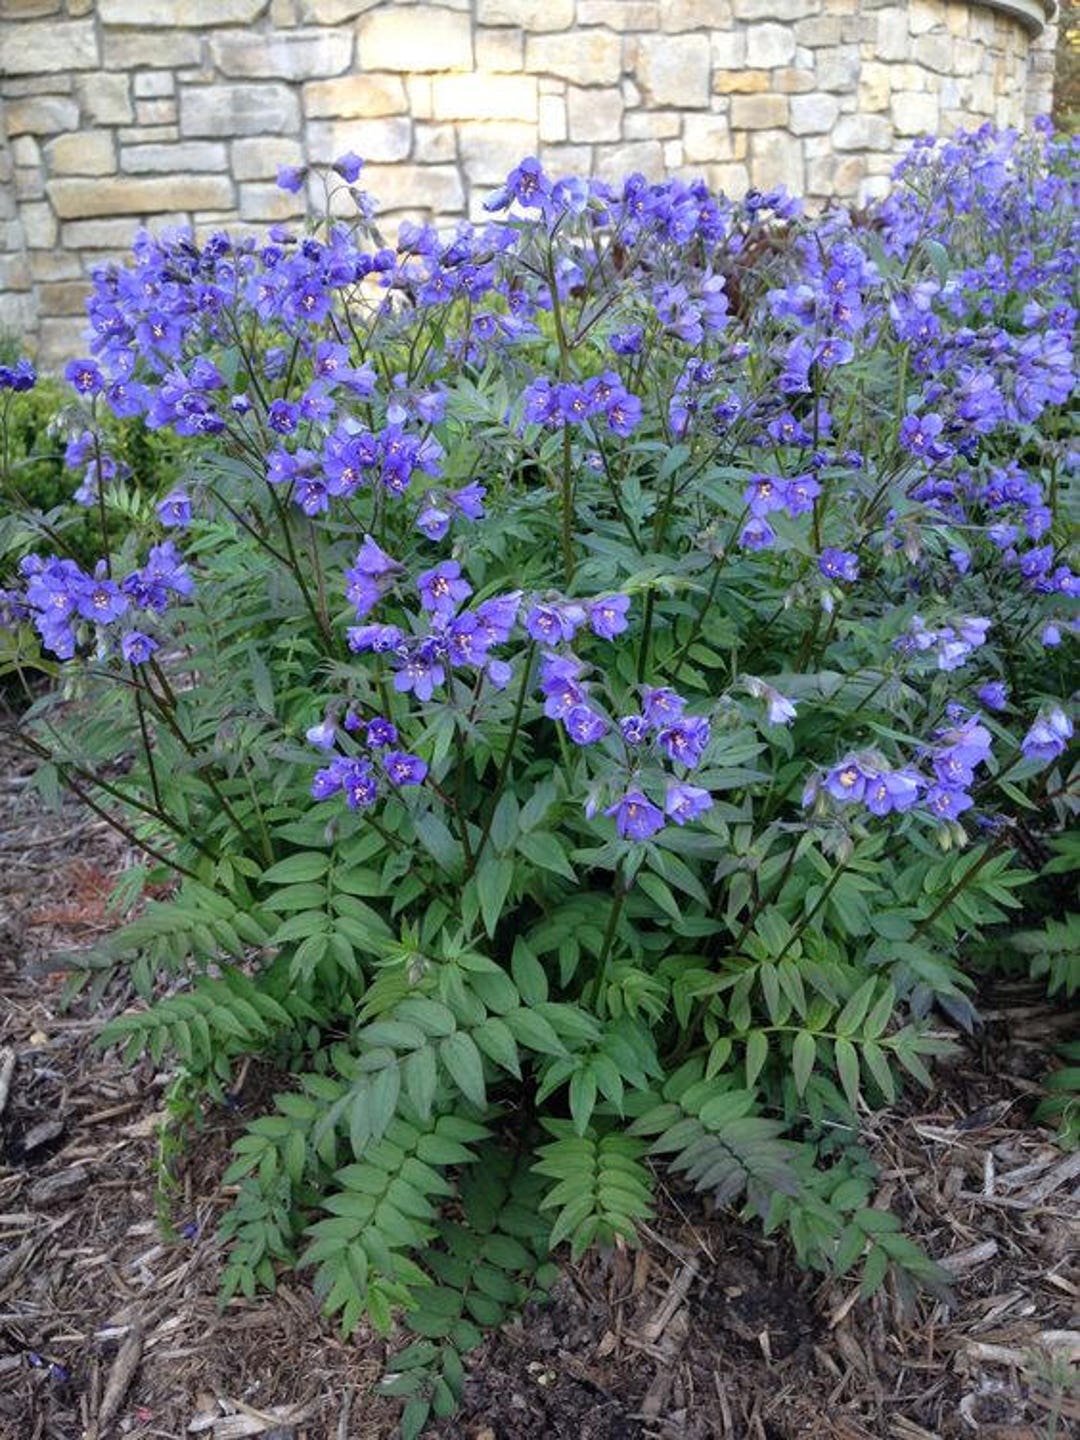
<point x="113" y="112"/>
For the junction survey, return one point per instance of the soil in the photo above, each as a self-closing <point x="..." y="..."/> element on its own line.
<point x="109" y="1266"/>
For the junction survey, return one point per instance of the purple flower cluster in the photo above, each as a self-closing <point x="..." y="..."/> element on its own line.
<point x="565" y="403"/>
<point x="20" y="376"/>
<point x="950" y="645"/>
<point x="360" y="777"/>
<point x="60" y="598"/>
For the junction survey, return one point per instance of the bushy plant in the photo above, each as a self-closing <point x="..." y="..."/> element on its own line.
<point x="590" y="687"/>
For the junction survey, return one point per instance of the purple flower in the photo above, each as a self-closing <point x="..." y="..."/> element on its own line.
<point x="379" y="639"/>
<point x="322" y="735"/>
<point x="636" y="817"/>
<point x="584" y="726"/>
<point x="432" y="520"/>
<point x="441" y="588"/>
<point x="634" y="729"/>
<point x="891" y="790"/>
<point x="781" y="711"/>
<point x="403" y="768"/>
<point x="607" y="617"/>
<point x="661" y="706"/>
<point x="1051" y="635"/>
<point x="380" y="733"/>
<point x="137" y="647"/>
<point x="101" y="601"/>
<point x="174" y="511"/>
<point x="469" y="500"/>
<point x="370" y="576"/>
<point x="684" y="742"/>
<point x="291" y="178"/>
<point x="348" y="166"/>
<point x="683" y="803"/>
<point x="84" y="376"/>
<point x="757" y="534"/>
<point x="1048" y="736"/>
<point x="848" y="780"/>
<point x="551" y="624"/>
<point x="947" y="803"/>
<point x="838" y="564"/>
<point x="421" y="672"/>
<point x="994" y="694"/>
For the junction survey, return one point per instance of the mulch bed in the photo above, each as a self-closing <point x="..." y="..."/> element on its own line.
<point x="109" y="1324"/>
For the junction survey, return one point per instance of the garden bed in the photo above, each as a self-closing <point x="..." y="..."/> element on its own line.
<point x="109" y="1325"/>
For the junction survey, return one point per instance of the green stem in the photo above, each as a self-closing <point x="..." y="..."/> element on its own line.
<point x="508" y="755"/>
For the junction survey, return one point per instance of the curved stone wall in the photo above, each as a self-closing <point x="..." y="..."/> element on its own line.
<point x="116" y="111"/>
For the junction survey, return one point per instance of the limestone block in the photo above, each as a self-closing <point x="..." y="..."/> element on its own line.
<point x="675" y="70"/>
<point x="774" y="9"/>
<point x="288" y="55"/>
<point x="893" y="37"/>
<point x="625" y="14"/>
<point x="190" y="155"/>
<point x="768" y="46"/>
<point x="776" y="159"/>
<point x="553" y="123"/>
<point x="29" y="184"/>
<point x="741" y="82"/>
<point x="180" y="14"/>
<point x="676" y="15"/>
<point x="127" y="48"/>
<point x="835" y="175"/>
<point x="154" y="84"/>
<point x="484" y="97"/>
<point x="957" y="20"/>
<point x="500" y="50"/>
<point x="333" y="12"/>
<point x="587" y="57"/>
<point x="915" y="113"/>
<point x="18" y="316"/>
<point x="155" y="112"/>
<point x="39" y="225"/>
<point x="813" y="114"/>
<point x="534" y="15"/>
<point x="88" y="152"/>
<point x="41" y="115"/>
<point x="936" y="52"/>
<point x="30" y="9"/>
<point x="238" y="110"/>
<point x="378" y="140"/>
<point x="148" y="134"/>
<point x="45" y="46"/>
<point x="59" y="341"/>
<point x="838" y="70"/>
<point x="729" y="179"/>
<point x="414" y="38"/>
<point x="268" y="202"/>
<point x="863" y="132"/>
<point x="418" y="88"/>
<point x="594" y="114"/>
<point x="428" y="189"/>
<point x="654" y="124"/>
<point x="63" y="297"/>
<point x="15" y="272"/>
<point x="818" y="30"/>
<point x="99" y="234"/>
<point x="792" y="81"/>
<point x="616" y="162"/>
<point x="728" y="49"/>
<point x="490" y="151"/>
<point x="566" y="159"/>
<point x="51" y="264"/>
<point x="673" y="154"/>
<point x="75" y="199"/>
<point x="434" y="144"/>
<point x="707" y="138"/>
<point x="261" y="159"/>
<point x="283" y="14"/>
<point x="354" y="97"/>
<point x="25" y="150"/>
<point x="875" y="86"/>
<point x="759" y="112"/>
<point x="924" y="15"/>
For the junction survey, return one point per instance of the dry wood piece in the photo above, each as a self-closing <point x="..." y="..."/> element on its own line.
<point x="963" y="1261"/>
<point x="116" y="1387"/>
<point x="7" y="1070"/>
<point x="41" y="1134"/>
<point x="63" y="1185"/>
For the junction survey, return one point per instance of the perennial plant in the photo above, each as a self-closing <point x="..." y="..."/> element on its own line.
<point x="600" y="674"/>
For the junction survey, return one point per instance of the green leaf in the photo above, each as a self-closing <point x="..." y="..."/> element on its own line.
<point x="494" y="876"/>
<point x="308" y="865"/>
<point x="495" y="1040"/>
<point x="803" y="1055"/>
<point x="543" y="849"/>
<point x="529" y="976"/>
<point x="853" y="1013"/>
<point x="757" y="1052"/>
<point x="847" y="1065"/>
<point x="465" y="1066"/>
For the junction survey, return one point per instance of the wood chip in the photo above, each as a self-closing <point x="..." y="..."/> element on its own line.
<point x="41" y="1134"/>
<point x="963" y="1261"/>
<point x="7" y="1070"/>
<point x="120" y="1377"/>
<point x="63" y="1185"/>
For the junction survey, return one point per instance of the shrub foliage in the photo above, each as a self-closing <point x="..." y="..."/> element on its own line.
<point x="598" y="675"/>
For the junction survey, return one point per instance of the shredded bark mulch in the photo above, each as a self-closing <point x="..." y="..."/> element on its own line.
<point x="109" y="1266"/>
